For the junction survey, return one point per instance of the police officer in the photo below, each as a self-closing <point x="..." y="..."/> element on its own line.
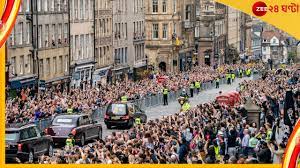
<point x="124" y="98"/>
<point x="70" y="141"/>
<point x="192" y="87"/>
<point x="165" y="95"/>
<point x="137" y="121"/>
<point x="232" y="76"/>
<point x="197" y="86"/>
<point x="186" y="107"/>
<point x="218" y="82"/>
<point x="241" y="73"/>
<point x="228" y="78"/>
<point x="70" y="109"/>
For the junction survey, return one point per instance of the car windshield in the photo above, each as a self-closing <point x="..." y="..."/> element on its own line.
<point x="63" y="120"/>
<point x="118" y="109"/>
<point x="11" y="135"/>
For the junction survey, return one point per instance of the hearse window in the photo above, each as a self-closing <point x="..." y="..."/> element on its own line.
<point x="24" y="134"/>
<point x="32" y="132"/>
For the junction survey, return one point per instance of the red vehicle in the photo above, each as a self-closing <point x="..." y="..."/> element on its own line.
<point x="229" y="99"/>
<point x="162" y="79"/>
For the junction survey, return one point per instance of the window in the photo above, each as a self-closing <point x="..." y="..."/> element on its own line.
<point x="66" y="33"/>
<point x="164" y="6"/>
<point x="39" y="5"/>
<point x="12" y="38"/>
<point x="66" y="63"/>
<point x="81" y="46"/>
<point x="58" y="5"/>
<point x="27" y="33"/>
<point x="174" y="5"/>
<point x="47" y="67"/>
<point x="187" y="12"/>
<point x="155" y="31"/>
<point x="165" y="31"/>
<point x="264" y="49"/>
<point x="174" y="28"/>
<point x="46" y="35"/>
<point x="76" y="9"/>
<point x="52" y="5"/>
<point x="28" y="63"/>
<point x="125" y="60"/>
<point x="81" y="9"/>
<point x="13" y="65"/>
<point x="21" y="33"/>
<point x="21" y="65"/>
<point x="77" y="49"/>
<point x="60" y="64"/>
<point x="40" y="36"/>
<point x="41" y="68"/>
<point x="54" y="65"/>
<point x="28" y="5"/>
<point x="53" y="34"/>
<point x="125" y="30"/>
<point x="86" y="9"/>
<point x="154" y="6"/>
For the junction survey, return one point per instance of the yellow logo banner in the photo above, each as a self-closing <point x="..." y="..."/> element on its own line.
<point x="283" y="14"/>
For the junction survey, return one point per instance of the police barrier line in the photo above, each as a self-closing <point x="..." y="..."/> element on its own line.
<point x="149" y="101"/>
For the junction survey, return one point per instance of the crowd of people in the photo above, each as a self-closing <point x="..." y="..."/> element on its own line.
<point x="30" y="107"/>
<point x="210" y="133"/>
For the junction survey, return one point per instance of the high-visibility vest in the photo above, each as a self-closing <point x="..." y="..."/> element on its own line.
<point x="228" y="76"/>
<point x="165" y="91"/>
<point x="197" y="85"/>
<point x="137" y="121"/>
<point x="233" y="76"/>
<point x="218" y="80"/>
<point x="124" y="99"/>
<point x="192" y="86"/>
<point x="217" y="152"/>
<point x="186" y="107"/>
<point x="69" y="110"/>
<point x="269" y="134"/>
<point x="253" y="142"/>
<point x="70" y="142"/>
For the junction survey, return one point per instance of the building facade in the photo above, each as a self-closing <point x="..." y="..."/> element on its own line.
<point x="256" y="41"/>
<point x="233" y="35"/>
<point x="220" y="34"/>
<point x="81" y="42"/>
<point x="170" y="34"/>
<point x="103" y="42"/>
<point x="128" y="37"/>
<point x="274" y="47"/>
<point x="21" y="58"/>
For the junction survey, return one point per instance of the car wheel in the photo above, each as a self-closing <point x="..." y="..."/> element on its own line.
<point x="82" y="140"/>
<point x="108" y="126"/>
<point x="50" y="150"/>
<point x="30" y="157"/>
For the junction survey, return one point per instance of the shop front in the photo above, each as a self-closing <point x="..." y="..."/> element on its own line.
<point x="121" y="73"/>
<point x="18" y="83"/>
<point x="82" y="76"/>
<point x="140" y="72"/>
<point x="59" y="84"/>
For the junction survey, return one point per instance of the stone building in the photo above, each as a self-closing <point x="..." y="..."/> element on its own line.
<point x="170" y="34"/>
<point x="103" y="41"/>
<point x="47" y="55"/>
<point x="81" y="42"/>
<point x="20" y="55"/>
<point x="128" y="37"/>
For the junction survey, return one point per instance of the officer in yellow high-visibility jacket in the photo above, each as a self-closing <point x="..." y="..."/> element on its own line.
<point x="228" y="78"/>
<point x="124" y="99"/>
<point x="232" y="76"/>
<point x="70" y="141"/>
<point x="186" y="107"/>
<point x="197" y="86"/>
<point x="192" y="87"/>
<point x="137" y="121"/>
<point x="217" y="83"/>
<point x="165" y="96"/>
<point x="70" y="109"/>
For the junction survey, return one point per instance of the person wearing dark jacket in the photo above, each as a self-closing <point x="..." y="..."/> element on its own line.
<point x="232" y="142"/>
<point x="183" y="150"/>
<point x="264" y="155"/>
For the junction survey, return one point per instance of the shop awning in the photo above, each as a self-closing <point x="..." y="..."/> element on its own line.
<point x="23" y="81"/>
<point x="102" y="72"/>
<point x="58" y="79"/>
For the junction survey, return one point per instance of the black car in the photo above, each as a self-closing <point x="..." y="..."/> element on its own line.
<point x="81" y="126"/>
<point x="26" y="143"/>
<point x="123" y="114"/>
